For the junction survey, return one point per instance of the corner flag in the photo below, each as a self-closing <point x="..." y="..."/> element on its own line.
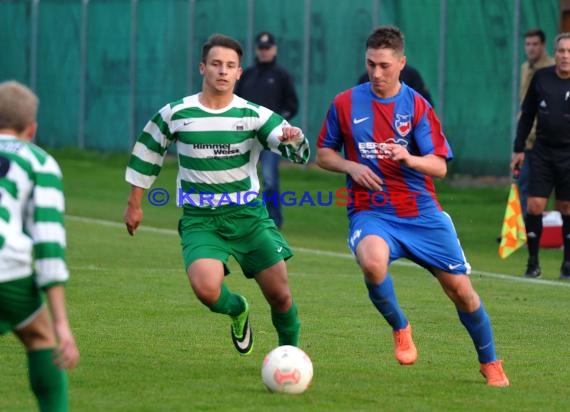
<point x="513" y="233"/>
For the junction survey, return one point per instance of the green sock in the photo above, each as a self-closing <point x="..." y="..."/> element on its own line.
<point x="287" y="325"/>
<point x="228" y="303"/>
<point x="48" y="382"/>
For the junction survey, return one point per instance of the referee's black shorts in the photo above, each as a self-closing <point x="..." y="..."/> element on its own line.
<point x="549" y="169"/>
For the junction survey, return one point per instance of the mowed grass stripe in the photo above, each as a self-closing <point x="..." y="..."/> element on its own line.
<point x="317" y="252"/>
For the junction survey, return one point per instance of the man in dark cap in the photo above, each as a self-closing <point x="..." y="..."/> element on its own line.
<point x="270" y="85"/>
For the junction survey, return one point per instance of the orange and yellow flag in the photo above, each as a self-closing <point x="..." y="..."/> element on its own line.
<point x="513" y="234"/>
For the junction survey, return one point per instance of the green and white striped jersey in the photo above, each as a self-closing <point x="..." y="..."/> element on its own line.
<point x="32" y="235"/>
<point x="218" y="150"/>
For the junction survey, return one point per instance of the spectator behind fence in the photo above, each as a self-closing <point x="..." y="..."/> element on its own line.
<point x="32" y="250"/>
<point x="548" y="101"/>
<point x="412" y="77"/>
<point x="536" y="58"/>
<point x="270" y="85"/>
<point x="394" y="146"/>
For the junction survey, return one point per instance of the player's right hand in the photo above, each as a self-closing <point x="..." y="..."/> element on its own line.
<point x="365" y="177"/>
<point x="66" y="354"/>
<point x="133" y="217"/>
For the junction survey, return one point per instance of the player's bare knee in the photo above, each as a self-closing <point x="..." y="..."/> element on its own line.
<point x="374" y="270"/>
<point x="280" y="301"/>
<point x="208" y="296"/>
<point x="465" y="298"/>
<point x="206" y="299"/>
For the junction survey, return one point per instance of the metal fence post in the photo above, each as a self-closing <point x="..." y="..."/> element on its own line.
<point x="442" y="56"/>
<point x="375" y="13"/>
<point x="133" y="72"/>
<point x="83" y="72"/>
<point x="190" y="48"/>
<point x="34" y="44"/>
<point x="515" y="70"/>
<point x="306" y="66"/>
<point x="249" y="32"/>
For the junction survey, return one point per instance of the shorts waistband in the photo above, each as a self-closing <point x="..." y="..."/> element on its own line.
<point x="215" y="211"/>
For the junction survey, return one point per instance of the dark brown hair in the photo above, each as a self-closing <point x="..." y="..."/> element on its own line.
<point x="536" y="33"/>
<point x="386" y="37"/>
<point x="222" y="41"/>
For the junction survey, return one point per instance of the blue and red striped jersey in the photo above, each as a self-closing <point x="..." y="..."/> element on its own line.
<point x="360" y="123"/>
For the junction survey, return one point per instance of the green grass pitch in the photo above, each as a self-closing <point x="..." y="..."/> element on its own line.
<point x="147" y="344"/>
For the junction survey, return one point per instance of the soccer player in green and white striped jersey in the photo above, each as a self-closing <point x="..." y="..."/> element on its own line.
<point x="219" y="137"/>
<point x="32" y="249"/>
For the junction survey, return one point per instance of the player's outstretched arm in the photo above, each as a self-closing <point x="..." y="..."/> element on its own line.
<point x="133" y="213"/>
<point x="66" y="354"/>
<point x="293" y="137"/>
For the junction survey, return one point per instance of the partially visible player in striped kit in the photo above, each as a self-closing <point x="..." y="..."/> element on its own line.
<point x="219" y="137"/>
<point x="32" y="249"/>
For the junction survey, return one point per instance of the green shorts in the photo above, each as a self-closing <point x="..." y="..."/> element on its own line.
<point x="20" y="300"/>
<point x="244" y="232"/>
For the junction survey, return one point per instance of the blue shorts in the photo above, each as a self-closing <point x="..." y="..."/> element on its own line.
<point x="430" y="241"/>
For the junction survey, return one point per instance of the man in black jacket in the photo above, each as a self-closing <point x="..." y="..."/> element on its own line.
<point x="268" y="84"/>
<point x="547" y="100"/>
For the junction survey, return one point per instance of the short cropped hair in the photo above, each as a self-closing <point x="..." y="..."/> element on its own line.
<point x="536" y="33"/>
<point x="559" y="37"/>
<point x="222" y="41"/>
<point x="18" y="106"/>
<point x="386" y="37"/>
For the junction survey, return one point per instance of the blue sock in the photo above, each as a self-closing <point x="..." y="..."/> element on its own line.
<point x="478" y="325"/>
<point x="384" y="298"/>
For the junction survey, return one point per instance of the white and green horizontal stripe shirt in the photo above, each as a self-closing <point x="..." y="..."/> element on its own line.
<point x="32" y="235"/>
<point x="218" y="150"/>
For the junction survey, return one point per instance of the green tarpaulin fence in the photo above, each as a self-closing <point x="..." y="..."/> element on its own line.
<point x="103" y="67"/>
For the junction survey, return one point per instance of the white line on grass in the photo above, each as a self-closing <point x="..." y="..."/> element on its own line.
<point x="318" y="252"/>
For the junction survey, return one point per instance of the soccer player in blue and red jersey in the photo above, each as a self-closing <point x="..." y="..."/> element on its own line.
<point x="393" y="147"/>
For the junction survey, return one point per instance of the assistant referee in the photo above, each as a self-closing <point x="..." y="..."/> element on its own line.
<point x="547" y="100"/>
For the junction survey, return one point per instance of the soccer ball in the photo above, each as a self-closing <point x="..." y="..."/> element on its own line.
<point x="287" y="369"/>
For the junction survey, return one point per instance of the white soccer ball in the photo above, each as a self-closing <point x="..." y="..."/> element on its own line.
<point x="287" y="369"/>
